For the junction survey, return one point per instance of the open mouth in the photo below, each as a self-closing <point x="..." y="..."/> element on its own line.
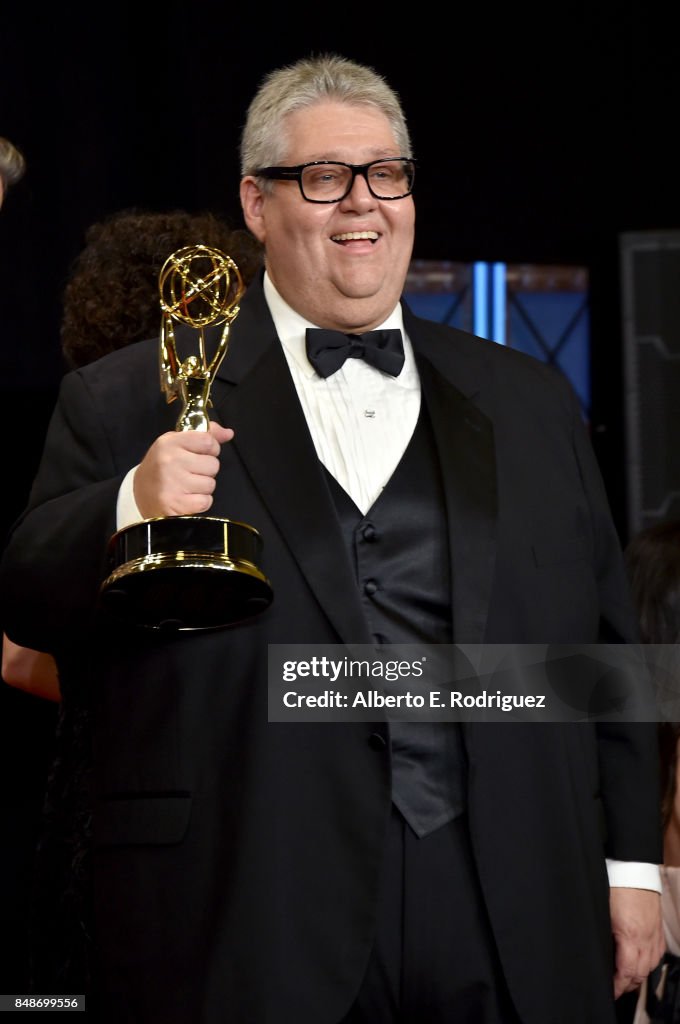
<point x="356" y="236"/>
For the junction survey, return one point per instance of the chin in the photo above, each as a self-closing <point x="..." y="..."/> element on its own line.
<point x="361" y="288"/>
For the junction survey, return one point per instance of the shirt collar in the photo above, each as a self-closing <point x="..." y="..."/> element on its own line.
<point x="291" y="328"/>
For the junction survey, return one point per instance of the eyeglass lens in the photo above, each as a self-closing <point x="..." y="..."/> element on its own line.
<point x="332" y="181"/>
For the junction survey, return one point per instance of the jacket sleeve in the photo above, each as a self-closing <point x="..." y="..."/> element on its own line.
<point x="627" y="751"/>
<point x="55" y="558"/>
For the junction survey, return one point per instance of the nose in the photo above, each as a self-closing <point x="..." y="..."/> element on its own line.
<point x="359" y="196"/>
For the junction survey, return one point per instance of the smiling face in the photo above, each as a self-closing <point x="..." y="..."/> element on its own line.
<point x="340" y="265"/>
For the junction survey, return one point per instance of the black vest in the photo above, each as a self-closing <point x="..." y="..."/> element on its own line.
<point x="399" y="551"/>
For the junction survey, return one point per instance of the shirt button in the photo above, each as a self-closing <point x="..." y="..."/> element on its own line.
<point x="370" y="587"/>
<point x="369" y="533"/>
<point x="377" y="742"/>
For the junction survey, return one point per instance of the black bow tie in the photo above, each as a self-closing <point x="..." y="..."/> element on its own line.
<point x="327" y="350"/>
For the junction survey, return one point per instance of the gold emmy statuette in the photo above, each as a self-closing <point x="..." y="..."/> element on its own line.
<point x="189" y="572"/>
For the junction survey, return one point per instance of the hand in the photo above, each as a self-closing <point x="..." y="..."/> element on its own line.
<point x="177" y="475"/>
<point x="638" y="935"/>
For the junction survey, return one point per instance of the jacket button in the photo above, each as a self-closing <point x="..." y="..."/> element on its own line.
<point x="369" y="532"/>
<point x="376" y="741"/>
<point x="370" y="587"/>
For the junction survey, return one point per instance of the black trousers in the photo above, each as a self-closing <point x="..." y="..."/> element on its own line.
<point x="434" y="959"/>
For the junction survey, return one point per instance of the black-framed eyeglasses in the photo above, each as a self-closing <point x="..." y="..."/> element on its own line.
<point x="329" y="181"/>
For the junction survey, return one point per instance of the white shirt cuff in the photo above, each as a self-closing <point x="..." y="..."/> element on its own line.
<point x="632" y="875"/>
<point x="126" y="506"/>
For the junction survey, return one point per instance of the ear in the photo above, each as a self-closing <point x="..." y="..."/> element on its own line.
<point x="252" y="204"/>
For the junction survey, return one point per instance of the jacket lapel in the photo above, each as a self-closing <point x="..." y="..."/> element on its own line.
<point x="273" y="442"/>
<point x="465" y="445"/>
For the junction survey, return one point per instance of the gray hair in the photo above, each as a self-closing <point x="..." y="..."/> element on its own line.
<point x="12" y="163"/>
<point x="303" y="84"/>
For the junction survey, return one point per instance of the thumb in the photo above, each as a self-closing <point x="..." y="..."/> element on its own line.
<point x="220" y="433"/>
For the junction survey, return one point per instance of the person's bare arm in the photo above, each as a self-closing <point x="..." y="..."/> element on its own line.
<point x="32" y="671"/>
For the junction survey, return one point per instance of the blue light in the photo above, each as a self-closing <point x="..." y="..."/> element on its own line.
<point x="498" y="303"/>
<point x="480" y="292"/>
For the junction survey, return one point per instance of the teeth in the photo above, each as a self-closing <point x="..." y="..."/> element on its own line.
<point x="349" y="236"/>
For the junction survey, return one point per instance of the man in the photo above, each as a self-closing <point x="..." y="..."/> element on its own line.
<point x="251" y="871"/>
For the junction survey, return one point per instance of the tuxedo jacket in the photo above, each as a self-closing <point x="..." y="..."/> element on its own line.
<point x="236" y="861"/>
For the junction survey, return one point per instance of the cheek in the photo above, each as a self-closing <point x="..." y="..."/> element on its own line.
<point x="290" y="229"/>
<point x="300" y="244"/>
<point x="403" y="218"/>
<point x="408" y="221"/>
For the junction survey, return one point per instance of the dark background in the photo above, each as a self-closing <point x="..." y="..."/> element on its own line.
<point x="541" y="137"/>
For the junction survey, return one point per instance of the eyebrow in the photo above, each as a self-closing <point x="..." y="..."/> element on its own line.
<point x="326" y="157"/>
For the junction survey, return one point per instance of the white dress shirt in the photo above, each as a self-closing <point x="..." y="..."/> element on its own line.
<point x="361" y="421"/>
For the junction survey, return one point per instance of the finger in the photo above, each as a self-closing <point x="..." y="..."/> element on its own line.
<point x="200" y="442"/>
<point x="220" y="433"/>
<point x="623" y="985"/>
<point x="196" y="504"/>
<point x="629" y="969"/>
<point x="197" y="466"/>
<point x="200" y="483"/>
